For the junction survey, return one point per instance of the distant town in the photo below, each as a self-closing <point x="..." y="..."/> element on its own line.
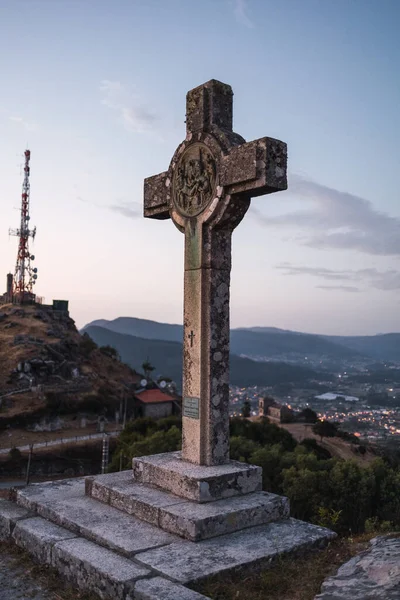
<point x="364" y="400"/>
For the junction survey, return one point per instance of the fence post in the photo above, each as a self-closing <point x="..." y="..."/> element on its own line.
<point x="105" y="453"/>
<point x="28" y="468"/>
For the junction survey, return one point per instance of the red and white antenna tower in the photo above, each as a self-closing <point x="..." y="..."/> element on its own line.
<point x="25" y="276"/>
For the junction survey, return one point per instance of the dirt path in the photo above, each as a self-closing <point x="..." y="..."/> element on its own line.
<point x="61" y="441"/>
<point x="15" y="438"/>
<point x="336" y="446"/>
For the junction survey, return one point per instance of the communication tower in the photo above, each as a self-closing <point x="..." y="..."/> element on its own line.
<point x="25" y="276"/>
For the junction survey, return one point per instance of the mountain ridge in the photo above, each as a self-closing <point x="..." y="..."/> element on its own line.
<point x="270" y="342"/>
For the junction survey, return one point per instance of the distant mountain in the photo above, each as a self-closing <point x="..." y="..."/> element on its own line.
<point x="268" y="342"/>
<point x="383" y="347"/>
<point x="142" y="328"/>
<point x="286" y="343"/>
<point x="166" y="356"/>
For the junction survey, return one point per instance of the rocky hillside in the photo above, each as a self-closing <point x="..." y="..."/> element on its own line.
<point x="46" y="362"/>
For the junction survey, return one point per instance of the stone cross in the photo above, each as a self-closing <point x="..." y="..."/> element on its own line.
<point x="206" y="192"/>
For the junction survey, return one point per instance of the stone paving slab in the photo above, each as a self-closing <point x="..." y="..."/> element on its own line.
<point x="105" y="525"/>
<point x="372" y="575"/>
<point x="38" y="536"/>
<point x="96" y="569"/>
<point x="159" y="588"/>
<point x="195" y="482"/>
<point x="50" y="491"/>
<point x="188" y="562"/>
<point x="10" y="514"/>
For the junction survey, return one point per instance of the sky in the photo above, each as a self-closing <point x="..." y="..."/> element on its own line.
<point x="96" y="90"/>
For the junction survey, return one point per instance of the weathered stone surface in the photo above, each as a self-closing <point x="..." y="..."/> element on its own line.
<point x="96" y="569"/>
<point x="372" y="575"/>
<point x="258" y="166"/>
<point x="194" y="482"/>
<point x="209" y="105"/>
<point x="155" y="205"/>
<point x="119" y="490"/>
<point x="187" y="562"/>
<point x="38" y="536"/>
<point x="202" y="521"/>
<point x="206" y="191"/>
<point x="105" y="525"/>
<point x="50" y="491"/>
<point x="10" y="513"/>
<point x="159" y="588"/>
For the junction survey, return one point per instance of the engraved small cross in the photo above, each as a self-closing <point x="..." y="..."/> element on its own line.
<point x="191" y="336"/>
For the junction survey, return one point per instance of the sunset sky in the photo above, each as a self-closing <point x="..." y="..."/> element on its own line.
<point x="96" y="89"/>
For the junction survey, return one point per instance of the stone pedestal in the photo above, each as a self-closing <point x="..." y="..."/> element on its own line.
<point x="195" y="482"/>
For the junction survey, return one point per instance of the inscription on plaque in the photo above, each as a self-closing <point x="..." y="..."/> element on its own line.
<point x="191" y="407"/>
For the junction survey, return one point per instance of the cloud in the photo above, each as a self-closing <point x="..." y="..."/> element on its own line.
<point x="343" y="288"/>
<point x="381" y="280"/>
<point x="133" y="114"/>
<point x="338" y="220"/>
<point x="240" y="11"/>
<point x="27" y="125"/>
<point x="131" y="210"/>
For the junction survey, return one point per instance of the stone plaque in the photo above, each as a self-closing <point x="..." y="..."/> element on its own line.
<point x="191" y="407"/>
<point x="194" y="180"/>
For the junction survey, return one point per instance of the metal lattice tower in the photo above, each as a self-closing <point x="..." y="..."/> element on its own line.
<point x="25" y="276"/>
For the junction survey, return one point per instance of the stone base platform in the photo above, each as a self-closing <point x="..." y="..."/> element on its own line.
<point x="118" y="556"/>
<point x="185" y="518"/>
<point x="195" y="482"/>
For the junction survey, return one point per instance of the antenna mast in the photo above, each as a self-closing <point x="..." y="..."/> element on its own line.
<point x="25" y="276"/>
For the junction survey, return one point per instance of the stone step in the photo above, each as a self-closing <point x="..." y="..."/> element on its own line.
<point x="188" y="519"/>
<point x="65" y="504"/>
<point x="84" y="564"/>
<point x="253" y="548"/>
<point x="95" y="539"/>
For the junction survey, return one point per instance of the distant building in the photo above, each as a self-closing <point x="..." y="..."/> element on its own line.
<point x="7" y="296"/>
<point x="155" y="403"/>
<point x="267" y="407"/>
<point x="335" y="395"/>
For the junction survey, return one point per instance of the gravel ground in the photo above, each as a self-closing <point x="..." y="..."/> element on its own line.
<point x="22" y="579"/>
<point x="17" y="583"/>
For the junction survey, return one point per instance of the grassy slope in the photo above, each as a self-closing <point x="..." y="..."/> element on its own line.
<point x="97" y="370"/>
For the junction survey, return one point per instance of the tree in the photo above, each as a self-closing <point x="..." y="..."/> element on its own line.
<point x="147" y="368"/>
<point x="325" y="429"/>
<point x="110" y="351"/>
<point x="246" y="409"/>
<point x="308" y="416"/>
<point x="87" y="345"/>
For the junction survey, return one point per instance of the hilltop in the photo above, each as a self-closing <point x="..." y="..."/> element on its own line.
<point x="48" y="366"/>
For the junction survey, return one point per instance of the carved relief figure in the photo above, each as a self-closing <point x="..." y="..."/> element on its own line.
<point x="194" y="180"/>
